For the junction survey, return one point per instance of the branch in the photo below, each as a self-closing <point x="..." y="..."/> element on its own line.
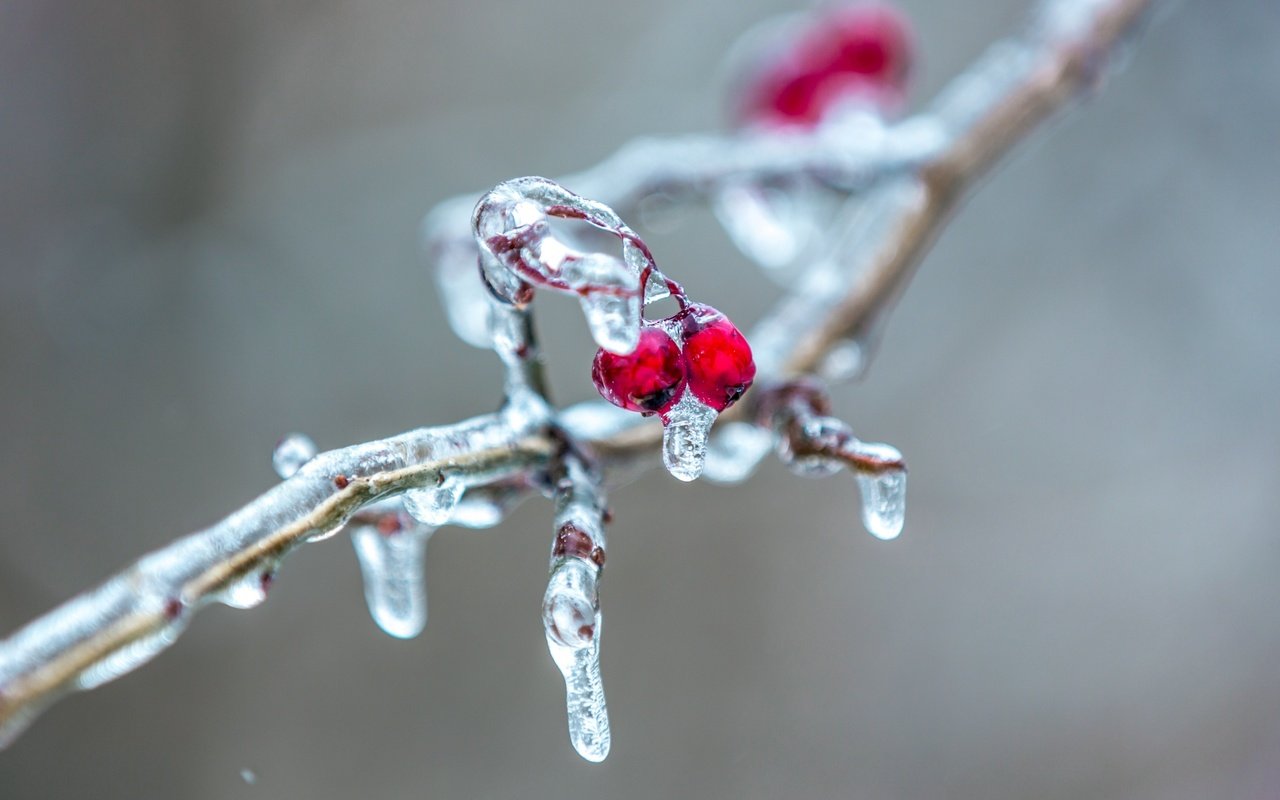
<point x="901" y="182"/>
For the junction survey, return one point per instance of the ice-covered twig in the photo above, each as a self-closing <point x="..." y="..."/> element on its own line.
<point x="933" y="159"/>
<point x="111" y="630"/>
<point x="571" y="606"/>
<point x="815" y="444"/>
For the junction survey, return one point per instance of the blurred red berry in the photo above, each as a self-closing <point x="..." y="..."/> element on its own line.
<point x="859" y="53"/>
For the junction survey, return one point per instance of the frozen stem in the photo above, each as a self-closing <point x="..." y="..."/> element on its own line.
<point x="571" y="606"/>
<point x="473" y="472"/>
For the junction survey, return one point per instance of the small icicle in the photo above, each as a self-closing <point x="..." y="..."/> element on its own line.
<point x="249" y="590"/>
<point x="846" y="361"/>
<point x="684" y="437"/>
<point x="433" y="505"/>
<point x="614" y="320"/>
<point x="735" y="451"/>
<point x="656" y="289"/>
<point x="573" y="636"/>
<point x="771" y="227"/>
<point x="393" y="566"/>
<point x="477" y="512"/>
<point x="884" y="494"/>
<point x="584" y="691"/>
<point x="291" y="453"/>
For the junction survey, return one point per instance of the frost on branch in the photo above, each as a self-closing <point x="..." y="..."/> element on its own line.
<point x="820" y="184"/>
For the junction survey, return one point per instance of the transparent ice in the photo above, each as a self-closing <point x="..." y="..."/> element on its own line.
<point x="292" y="451"/>
<point x="735" y="450"/>
<point x="573" y="625"/>
<point x="433" y="505"/>
<point x="394" y="569"/>
<point x="684" y="437"/>
<point x="884" y="496"/>
<point x="771" y="226"/>
<point x="584" y="695"/>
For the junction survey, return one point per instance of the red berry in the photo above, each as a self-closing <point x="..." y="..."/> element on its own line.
<point x="649" y="380"/>
<point x="853" y="53"/>
<point x="717" y="358"/>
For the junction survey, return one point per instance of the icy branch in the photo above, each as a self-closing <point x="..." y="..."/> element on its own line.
<point x="571" y="607"/>
<point x="883" y="192"/>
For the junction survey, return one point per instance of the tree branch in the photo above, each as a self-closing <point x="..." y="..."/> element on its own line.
<point x="912" y="175"/>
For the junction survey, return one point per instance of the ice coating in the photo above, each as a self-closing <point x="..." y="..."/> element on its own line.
<point x="148" y="605"/>
<point x="884" y="494"/>
<point x="291" y="453"/>
<point x="448" y="243"/>
<point x="734" y="451"/>
<point x="518" y="249"/>
<point x="393" y="565"/>
<point x="584" y="697"/>
<point x="770" y="226"/>
<point x="434" y="505"/>
<point x="686" y="428"/>
<point x="814" y="444"/>
<point x="233" y="561"/>
<point x="832" y="272"/>
<point x="571" y="606"/>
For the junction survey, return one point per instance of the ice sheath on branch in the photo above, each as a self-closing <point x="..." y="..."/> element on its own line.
<point x="840" y="212"/>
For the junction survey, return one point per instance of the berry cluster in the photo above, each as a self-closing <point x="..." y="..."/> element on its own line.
<point x="859" y="55"/>
<point x="697" y="349"/>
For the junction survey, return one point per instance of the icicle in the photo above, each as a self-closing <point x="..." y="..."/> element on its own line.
<point x="393" y="566"/>
<point x="584" y="693"/>
<point x="734" y="451"/>
<point x="571" y="606"/>
<point x="448" y="243"/>
<point x="884" y="494"/>
<point x="291" y="453"/>
<point x="769" y="226"/>
<point x="684" y="437"/>
<point x="614" y="320"/>
<point x="248" y="590"/>
<point x="433" y="505"/>
<point x="573" y="623"/>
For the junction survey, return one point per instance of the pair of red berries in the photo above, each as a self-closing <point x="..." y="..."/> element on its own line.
<point x="712" y="360"/>
<point x="858" y="53"/>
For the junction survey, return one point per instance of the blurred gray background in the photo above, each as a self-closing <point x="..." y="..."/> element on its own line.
<point x="207" y="222"/>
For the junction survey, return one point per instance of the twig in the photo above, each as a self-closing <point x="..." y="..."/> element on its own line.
<point x="925" y="164"/>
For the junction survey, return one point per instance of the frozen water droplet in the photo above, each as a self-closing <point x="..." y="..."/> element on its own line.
<point x="684" y="437"/>
<point x="569" y="605"/>
<point x="656" y="288"/>
<point x="480" y="512"/>
<point x="248" y="590"/>
<point x="248" y="776"/>
<point x="573" y="625"/>
<point x="614" y="320"/>
<point x="596" y="420"/>
<point x="292" y="451"/>
<point x="884" y="502"/>
<point x="433" y="505"/>
<point x="584" y="696"/>
<point x="769" y="226"/>
<point x="393" y="566"/>
<point x="844" y="362"/>
<point x="735" y="451"/>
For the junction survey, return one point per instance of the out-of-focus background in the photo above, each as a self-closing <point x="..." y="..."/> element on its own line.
<point x="207" y="239"/>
